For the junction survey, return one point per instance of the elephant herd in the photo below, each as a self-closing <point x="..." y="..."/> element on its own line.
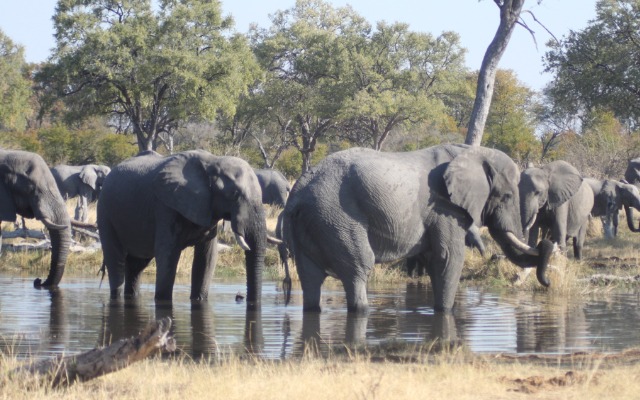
<point x="356" y="208"/>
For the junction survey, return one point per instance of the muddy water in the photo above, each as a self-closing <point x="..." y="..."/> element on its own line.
<point x="79" y="316"/>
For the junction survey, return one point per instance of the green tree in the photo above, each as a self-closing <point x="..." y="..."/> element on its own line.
<point x="153" y="67"/>
<point x="399" y="78"/>
<point x="511" y="121"/>
<point x="598" y="67"/>
<point x="306" y="61"/>
<point x="14" y="86"/>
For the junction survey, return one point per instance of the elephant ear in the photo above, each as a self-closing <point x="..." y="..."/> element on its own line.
<point x="564" y="182"/>
<point x="183" y="185"/>
<point x="467" y="187"/>
<point x="7" y="206"/>
<point x="88" y="176"/>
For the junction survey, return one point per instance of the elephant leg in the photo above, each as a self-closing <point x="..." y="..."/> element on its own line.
<point x="133" y="268"/>
<point x="356" y="292"/>
<point x="614" y="218"/>
<point x="559" y="230"/>
<point x="445" y="267"/>
<point x="81" y="211"/>
<point x="166" y="267"/>
<point x="205" y="256"/>
<point x="311" y="280"/>
<point x="114" y="260"/>
<point x="578" y="241"/>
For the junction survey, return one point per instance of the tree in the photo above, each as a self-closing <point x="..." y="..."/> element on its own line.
<point x="304" y="54"/>
<point x="158" y="67"/>
<point x="511" y="122"/>
<point x="399" y="78"/>
<point x="509" y="16"/>
<point x="14" y="86"/>
<point x="598" y="67"/>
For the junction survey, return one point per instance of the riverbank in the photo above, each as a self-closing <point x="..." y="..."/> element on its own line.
<point x="452" y="374"/>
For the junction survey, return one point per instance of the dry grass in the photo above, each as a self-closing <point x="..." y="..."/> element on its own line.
<point x="358" y="376"/>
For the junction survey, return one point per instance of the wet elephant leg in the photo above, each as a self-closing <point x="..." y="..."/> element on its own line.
<point x="166" y="267"/>
<point x="445" y="266"/>
<point x="133" y="268"/>
<point x="356" y="292"/>
<point x="205" y="256"/>
<point x="311" y="280"/>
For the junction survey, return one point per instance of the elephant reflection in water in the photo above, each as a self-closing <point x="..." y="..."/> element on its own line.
<point x="550" y="326"/>
<point x="59" y="333"/>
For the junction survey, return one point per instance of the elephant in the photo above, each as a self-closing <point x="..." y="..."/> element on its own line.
<point x="275" y="187"/>
<point x="609" y="197"/>
<point x="556" y="200"/>
<point x="632" y="174"/>
<point x="359" y="207"/>
<point x="28" y="189"/>
<point x="82" y="181"/>
<point x="154" y="206"/>
<point x="472" y="239"/>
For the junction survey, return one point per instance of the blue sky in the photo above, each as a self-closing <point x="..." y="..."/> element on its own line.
<point x="28" y="22"/>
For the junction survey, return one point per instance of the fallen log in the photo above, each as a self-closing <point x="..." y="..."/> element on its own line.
<point x="86" y="232"/>
<point x="64" y="371"/>
<point x="23" y="233"/>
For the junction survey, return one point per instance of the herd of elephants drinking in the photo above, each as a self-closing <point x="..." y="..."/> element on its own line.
<point x="356" y="208"/>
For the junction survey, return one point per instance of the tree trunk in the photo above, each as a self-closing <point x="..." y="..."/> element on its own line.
<point x="64" y="371"/>
<point x="509" y="14"/>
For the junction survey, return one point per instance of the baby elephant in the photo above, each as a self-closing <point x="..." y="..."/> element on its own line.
<point x="81" y="181"/>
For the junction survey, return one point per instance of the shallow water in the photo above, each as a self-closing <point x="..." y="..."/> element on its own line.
<point x="79" y="316"/>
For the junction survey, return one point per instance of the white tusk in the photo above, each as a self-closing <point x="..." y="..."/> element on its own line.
<point x="51" y="225"/>
<point x="530" y="224"/>
<point x="273" y="240"/>
<point x="242" y="242"/>
<point x="523" y="247"/>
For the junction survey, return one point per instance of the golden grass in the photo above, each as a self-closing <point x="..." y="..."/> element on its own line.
<point x="358" y="376"/>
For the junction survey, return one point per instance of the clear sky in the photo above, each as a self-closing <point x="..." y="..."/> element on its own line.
<point x="28" y="22"/>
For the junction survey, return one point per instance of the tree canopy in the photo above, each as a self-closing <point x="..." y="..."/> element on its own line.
<point x="153" y="67"/>
<point x="599" y="67"/>
<point x="14" y="86"/>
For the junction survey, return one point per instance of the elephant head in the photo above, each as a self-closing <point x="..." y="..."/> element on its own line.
<point x="93" y="176"/>
<point x="632" y="174"/>
<point x="27" y="188"/>
<point x="622" y="195"/>
<point x="545" y="189"/>
<point x="205" y="189"/>
<point x="492" y="199"/>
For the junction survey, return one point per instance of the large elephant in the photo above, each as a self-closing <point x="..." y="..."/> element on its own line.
<point x="82" y="181"/>
<point x="27" y="188"/>
<point x="275" y="187"/>
<point x="610" y="197"/>
<point x="359" y="207"/>
<point x="154" y="206"/>
<point x="555" y="200"/>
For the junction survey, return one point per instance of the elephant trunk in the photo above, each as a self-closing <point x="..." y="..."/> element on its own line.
<point x="255" y="235"/>
<point x="629" y="213"/>
<point x="524" y="256"/>
<point x="60" y="242"/>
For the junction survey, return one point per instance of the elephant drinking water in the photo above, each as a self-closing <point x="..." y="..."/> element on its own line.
<point x="154" y="206"/>
<point x="359" y="207"/>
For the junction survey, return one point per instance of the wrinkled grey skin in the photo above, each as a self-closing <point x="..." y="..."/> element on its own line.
<point x="555" y="200"/>
<point x="632" y="174"/>
<point x="610" y="197"/>
<point x="275" y="187"/>
<point x="359" y="207"/>
<point x="418" y="265"/>
<point x="82" y="181"/>
<point x="154" y="206"/>
<point x="27" y="188"/>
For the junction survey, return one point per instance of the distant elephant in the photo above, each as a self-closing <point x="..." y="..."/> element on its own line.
<point x="360" y="207"/>
<point x="275" y="187"/>
<point x="82" y="181"/>
<point x="27" y="188"/>
<point x="555" y="199"/>
<point x="632" y="174"/>
<point x="154" y="206"/>
<point x="610" y="197"/>
<point x="472" y="239"/>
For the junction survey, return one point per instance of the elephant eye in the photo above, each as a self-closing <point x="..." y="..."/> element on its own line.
<point x="235" y="195"/>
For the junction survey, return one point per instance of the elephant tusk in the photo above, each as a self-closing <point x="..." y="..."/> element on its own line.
<point x="242" y="242"/>
<point x="273" y="240"/>
<point x="530" y="224"/>
<point x="51" y="225"/>
<point x="523" y="247"/>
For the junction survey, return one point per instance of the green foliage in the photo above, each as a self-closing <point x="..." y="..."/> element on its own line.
<point x="14" y="87"/>
<point x="510" y="125"/>
<point x="112" y="149"/>
<point x="598" y="67"/>
<point x="158" y="66"/>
